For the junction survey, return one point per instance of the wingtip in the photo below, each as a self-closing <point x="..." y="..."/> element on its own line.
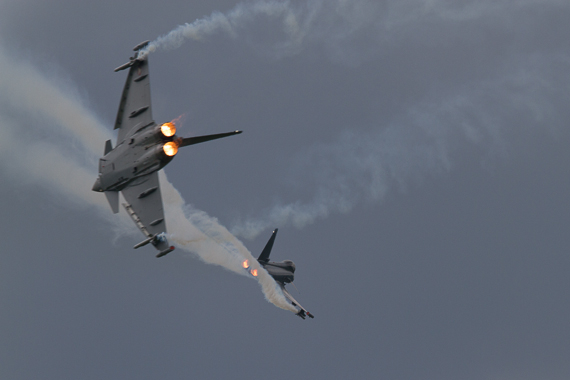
<point x="141" y="45"/>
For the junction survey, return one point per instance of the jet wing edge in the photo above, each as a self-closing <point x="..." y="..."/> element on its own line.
<point x="302" y="311"/>
<point x="136" y="219"/>
<point x="124" y="96"/>
<point x="159" y="241"/>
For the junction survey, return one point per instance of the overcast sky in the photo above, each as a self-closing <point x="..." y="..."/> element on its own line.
<point x="413" y="154"/>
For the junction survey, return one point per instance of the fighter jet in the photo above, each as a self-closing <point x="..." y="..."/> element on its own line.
<point x="141" y="150"/>
<point x="282" y="273"/>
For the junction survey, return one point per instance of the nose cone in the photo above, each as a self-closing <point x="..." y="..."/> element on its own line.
<point x="97" y="185"/>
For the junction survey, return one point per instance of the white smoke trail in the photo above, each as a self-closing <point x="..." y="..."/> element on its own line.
<point x="365" y="167"/>
<point x="350" y="30"/>
<point x="26" y="89"/>
<point x="362" y="166"/>
<point x="203" y="235"/>
<point x="425" y="142"/>
<point x="31" y="105"/>
<point x="42" y="126"/>
<point x="235" y="20"/>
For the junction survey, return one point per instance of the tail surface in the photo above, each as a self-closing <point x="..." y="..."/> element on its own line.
<point x="200" y="139"/>
<point x="264" y="257"/>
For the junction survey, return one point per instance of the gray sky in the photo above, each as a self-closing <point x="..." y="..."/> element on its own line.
<point x="412" y="153"/>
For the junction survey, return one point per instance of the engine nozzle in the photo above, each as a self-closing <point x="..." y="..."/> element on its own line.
<point x="170" y="148"/>
<point x="168" y="129"/>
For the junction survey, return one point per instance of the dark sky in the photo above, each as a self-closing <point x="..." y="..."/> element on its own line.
<point x="413" y="154"/>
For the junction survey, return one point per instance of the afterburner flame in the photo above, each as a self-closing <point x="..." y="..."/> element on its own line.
<point x="168" y="129"/>
<point x="170" y="148"/>
<point x="245" y="264"/>
<point x="254" y="272"/>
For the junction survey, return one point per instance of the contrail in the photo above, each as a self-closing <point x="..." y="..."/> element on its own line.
<point x="62" y="155"/>
<point x="197" y="232"/>
<point x="525" y="93"/>
<point x="364" y="167"/>
<point x="529" y="96"/>
<point x="350" y="30"/>
<point x="233" y="22"/>
<point x="66" y="165"/>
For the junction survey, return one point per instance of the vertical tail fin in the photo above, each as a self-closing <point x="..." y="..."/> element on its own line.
<point x="267" y="250"/>
<point x="108" y="147"/>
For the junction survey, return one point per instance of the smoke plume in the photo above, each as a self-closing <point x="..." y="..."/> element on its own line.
<point x="518" y="95"/>
<point x="427" y="141"/>
<point x="234" y="22"/>
<point x="351" y="31"/>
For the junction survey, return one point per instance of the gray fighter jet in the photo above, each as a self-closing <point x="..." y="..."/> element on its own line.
<point x="282" y="272"/>
<point x="142" y="149"/>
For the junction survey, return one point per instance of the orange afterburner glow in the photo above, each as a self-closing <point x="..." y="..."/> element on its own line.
<point x="245" y="264"/>
<point x="254" y="272"/>
<point x="170" y="148"/>
<point x="168" y="129"/>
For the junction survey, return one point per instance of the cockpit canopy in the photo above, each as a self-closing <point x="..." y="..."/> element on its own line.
<point x="289" y="265"/>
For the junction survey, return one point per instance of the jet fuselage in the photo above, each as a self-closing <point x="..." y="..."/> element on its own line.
<point x="282" y="271"/>
<point x="142" y="149"/>
<point x="145" y="151"/>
